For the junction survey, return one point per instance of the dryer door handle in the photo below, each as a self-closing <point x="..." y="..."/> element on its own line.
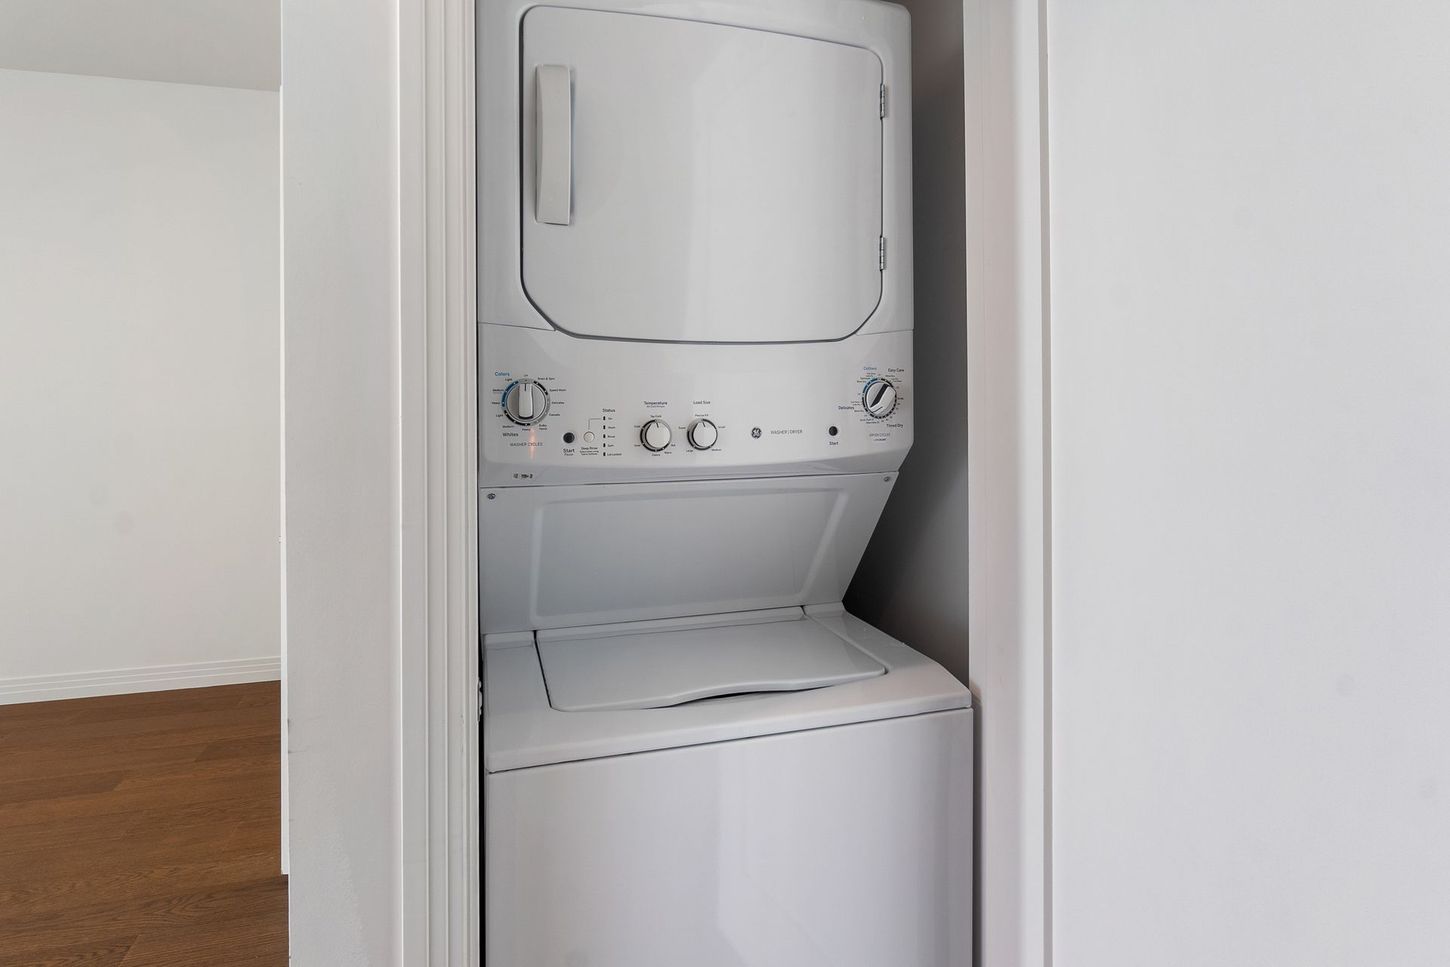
<point x="554" y="110"/>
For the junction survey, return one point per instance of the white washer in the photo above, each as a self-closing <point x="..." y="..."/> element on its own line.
<point x="695" y="392"/>
<point x="829" y="827"/>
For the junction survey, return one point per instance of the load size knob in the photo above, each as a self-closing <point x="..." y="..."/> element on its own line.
<point x="703" y="434"/>
<point x="655" y="435"/>
<point x="879" y="397"/>
<point x="525" y="402"/>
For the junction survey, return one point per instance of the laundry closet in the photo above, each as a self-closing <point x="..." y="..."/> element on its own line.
<point x="697" y="387"/>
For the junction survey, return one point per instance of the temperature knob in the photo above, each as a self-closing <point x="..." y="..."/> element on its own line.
<point x="655" y="435"/>
<point x="879" y="398"/>
<point x="525" y="402"/>
<point x="703" y="434"/>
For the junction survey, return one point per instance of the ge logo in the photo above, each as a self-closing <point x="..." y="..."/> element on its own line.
<point x="755" y="433"/>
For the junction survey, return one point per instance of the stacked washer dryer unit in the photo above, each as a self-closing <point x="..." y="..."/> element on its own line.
<point x="695" y="389"/>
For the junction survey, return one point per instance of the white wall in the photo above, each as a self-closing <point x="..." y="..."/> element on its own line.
<point x="138" y="385"/>
<point x="341" y="242"/>
<point x="1250" y="225"/>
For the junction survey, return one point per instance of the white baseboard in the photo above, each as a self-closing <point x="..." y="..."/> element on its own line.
<point x="155" y="678"/>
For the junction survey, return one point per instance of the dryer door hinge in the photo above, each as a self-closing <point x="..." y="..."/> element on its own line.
<point x="881" y="252"/>
<point x="882" y="104"/>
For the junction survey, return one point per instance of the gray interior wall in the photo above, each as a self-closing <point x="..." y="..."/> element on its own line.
<point x="912" y="582"/>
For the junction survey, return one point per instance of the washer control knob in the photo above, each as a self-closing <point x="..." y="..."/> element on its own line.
<point x="655" y="435"/>
<point x="525" y="402"/>
<point x="879" y="397"/>
<point x="703" y="434"/>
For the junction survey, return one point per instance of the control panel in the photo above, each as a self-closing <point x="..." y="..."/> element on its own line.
<point x="557" y="409"/>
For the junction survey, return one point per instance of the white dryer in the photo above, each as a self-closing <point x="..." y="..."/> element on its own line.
<point x="695" y="393"/>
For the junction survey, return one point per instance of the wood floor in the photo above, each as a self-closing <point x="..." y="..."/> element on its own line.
<point x="142" y="830"/>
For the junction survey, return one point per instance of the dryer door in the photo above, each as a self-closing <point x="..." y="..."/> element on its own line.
<point x="693" y="182"/>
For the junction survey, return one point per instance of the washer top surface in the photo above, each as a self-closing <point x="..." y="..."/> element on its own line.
<point x="876" y="677"/>
<point x="610" y="669"/>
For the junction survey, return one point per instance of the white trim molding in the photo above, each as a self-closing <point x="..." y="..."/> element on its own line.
<point x="438" y="694"/>
<point x="149" y="678"/>
<point x="382" y="656"/>
<point x="1009" y="474"/>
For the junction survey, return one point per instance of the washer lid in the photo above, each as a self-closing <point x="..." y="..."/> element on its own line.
<point x="522" y="729"/>
<point x="623" y="668"/>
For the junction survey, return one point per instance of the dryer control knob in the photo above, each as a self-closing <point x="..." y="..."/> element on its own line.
<point x="525" y="402"/>
<point x="879" y="397"/>
<point x="703" y="434"/>
<point x="655" y="435"/>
